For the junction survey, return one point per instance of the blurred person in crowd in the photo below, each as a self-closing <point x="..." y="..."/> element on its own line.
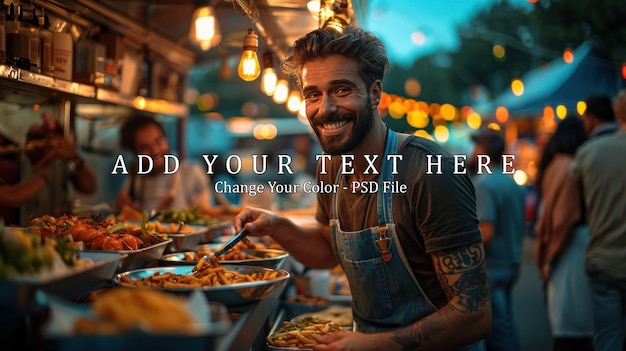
<point x="46" y="145"/>
<point x="303" y="152"/>
<point x="500" y="204"/>
<point x="188" y="188"/>
<point x="600" y="168"/>
<point x="222" y="175"/>
<point x="414" y="259"/>
<point x="599" y="117"/>
<point x="562" y="237"/>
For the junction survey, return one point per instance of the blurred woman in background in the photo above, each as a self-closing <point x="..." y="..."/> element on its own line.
<point x="562" y="237"/>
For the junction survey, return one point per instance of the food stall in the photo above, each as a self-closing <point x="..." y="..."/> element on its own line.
<point x="50" y="307"/>
<point x="105" y="63"/>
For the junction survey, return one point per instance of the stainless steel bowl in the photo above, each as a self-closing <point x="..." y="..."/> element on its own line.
<point x="185" y="241"/>
<point x="268" y="258"/>
<point x="19" y="293"/>
<point x="216" y="230"/>
<point x="230" y="295"/>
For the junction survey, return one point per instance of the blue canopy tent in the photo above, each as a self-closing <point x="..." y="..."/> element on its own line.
<point x="559" y="83"/>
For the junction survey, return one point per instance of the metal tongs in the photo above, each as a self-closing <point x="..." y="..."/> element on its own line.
<point x="229" y="244"/>
<point x="212" y="256"/>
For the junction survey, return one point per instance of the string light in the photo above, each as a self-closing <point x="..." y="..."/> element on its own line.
<point x="205" y="31"/>
<point x="249" y="68"/>
<point x="282" y="91"/>
<point x="268" y="76"/>
<point x="294" y="101"/>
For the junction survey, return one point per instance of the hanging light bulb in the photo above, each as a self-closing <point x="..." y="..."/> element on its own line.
<point x="204" y="30"/>
<point x="282" y="91"/>
<point x="314" y="7"/>
<point x="249" y="68"/>
<point x="268" y="76"/>
<point x="293" y="101"/>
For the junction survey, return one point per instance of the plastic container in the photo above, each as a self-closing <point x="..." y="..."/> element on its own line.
<point x="63" y="55"/>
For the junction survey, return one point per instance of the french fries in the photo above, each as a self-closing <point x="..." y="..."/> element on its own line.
<point x="298" y="334"/>
<point x="206" y="274"/>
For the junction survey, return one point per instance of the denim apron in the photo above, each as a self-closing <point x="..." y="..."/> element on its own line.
<point x="385" y="292"/>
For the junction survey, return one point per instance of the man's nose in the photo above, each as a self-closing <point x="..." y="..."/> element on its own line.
<point x="327" y="105"/>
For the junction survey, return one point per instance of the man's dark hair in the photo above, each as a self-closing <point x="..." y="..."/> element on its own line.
<point x="130" y="127"/>
<point x="354" y="43"/>
<point x="600" y="106"/>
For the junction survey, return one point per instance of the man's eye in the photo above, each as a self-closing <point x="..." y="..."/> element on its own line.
<point x="312" y="97"/>
<point x="342" y="91"/>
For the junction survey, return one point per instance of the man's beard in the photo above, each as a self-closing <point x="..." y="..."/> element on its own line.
<point x="333" y="144"/>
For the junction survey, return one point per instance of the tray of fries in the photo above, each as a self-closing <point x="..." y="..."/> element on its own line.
<point x="269" y="258"/>
<point x="296" y="334"/>
<point x="231" y="285"/>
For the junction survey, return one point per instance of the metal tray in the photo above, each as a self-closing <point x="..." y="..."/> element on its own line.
<point x="140" y="258"/>
<point x="19" y="293"/>
<point x="230" y="295"/>
<point x="278" y="323"/>
<point x="216" y="230"/>
<point x="185" y="241"/>
<point x="269" y="347"/>
<point x="269" y="258"/>
<point x="207" y="339"/>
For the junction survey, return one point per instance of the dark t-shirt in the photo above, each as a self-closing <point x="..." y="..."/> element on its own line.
<point x="437" y="212"/>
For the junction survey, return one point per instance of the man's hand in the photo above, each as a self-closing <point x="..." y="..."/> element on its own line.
<point x="346" y="341"/>
<point x="259" y="222"/>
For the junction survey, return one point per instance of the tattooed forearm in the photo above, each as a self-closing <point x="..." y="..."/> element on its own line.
<point x="462" y="273"/>
<point x="413" y="335"/>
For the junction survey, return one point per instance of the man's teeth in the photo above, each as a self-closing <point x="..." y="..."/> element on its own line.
<point x="335" y="125"/>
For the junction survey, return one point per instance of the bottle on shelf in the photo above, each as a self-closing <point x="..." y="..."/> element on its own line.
<point x="47" y="44"/>
<point x="89" y="60"/>
<point x="17" y="41"/>
<point x="28" y="25"/>
<point x="62" y="51"/>
<point x="3" y="43"/>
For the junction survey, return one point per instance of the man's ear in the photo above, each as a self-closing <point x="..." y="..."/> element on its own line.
<point x="376" y="93"/>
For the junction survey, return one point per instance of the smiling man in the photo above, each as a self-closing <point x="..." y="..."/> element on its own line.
<point x="414" y="259"/>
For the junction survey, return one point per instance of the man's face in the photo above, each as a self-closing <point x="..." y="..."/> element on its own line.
<point x="151" y="141"/>
<point x="337" y="101"/>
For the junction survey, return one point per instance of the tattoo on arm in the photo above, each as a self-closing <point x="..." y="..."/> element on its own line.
<point x="462" y="274"/>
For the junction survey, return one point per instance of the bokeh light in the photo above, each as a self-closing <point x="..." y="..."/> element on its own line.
<point x="568" y="55"/>
<point x="412" y="87"/>
<point x="517" y="87"/>
<point x="499" y="52"/>
<point x="502" y="114"/>
<point x="581" y="107"/>
<point x="561" y="111"/>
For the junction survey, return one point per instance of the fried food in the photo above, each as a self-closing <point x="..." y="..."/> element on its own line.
<point x="124" y="309"/>
<point x="298" y="333"/>
<point x="206" y="273"/>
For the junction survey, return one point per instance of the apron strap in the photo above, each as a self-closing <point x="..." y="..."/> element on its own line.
<point x="385" y="212"/>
